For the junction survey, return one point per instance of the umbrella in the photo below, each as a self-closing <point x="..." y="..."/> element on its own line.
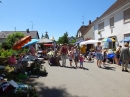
<point x="127" y="39"/>
<point x="108" y="40"/>
<point x="45" y="40"/>
<point x="21" y="42"/>
<point x="89" y="42"/>
<point x="33" y="41"/>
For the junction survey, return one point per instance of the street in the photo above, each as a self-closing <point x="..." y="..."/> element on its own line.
<point x="89" y="82"/>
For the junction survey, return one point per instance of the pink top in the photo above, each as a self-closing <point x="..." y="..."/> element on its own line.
<point x="12" y="60"/>
<point x="81" y="59"/>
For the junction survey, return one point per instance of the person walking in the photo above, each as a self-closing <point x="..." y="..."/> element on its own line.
<point x="70" y="58"/>
<point x="117" y="55"/>
<point x="83" y="50"/>
<point x="125" y="56"/>
<point x="76" y="56"/>
<point x="98" y="50"/>
<point x="81" y="59"/>
<point x="64" y="52"/>
<point x="104" y="57"/>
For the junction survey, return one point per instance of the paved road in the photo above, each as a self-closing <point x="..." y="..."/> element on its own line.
<point x="90" y="82"/>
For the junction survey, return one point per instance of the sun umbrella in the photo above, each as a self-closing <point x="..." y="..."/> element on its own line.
<point x="127" y="39"/>
<point x="33" y="41"/>
<point x="108" y="40"/>
<point x="21" y="42"/>
<point x="89" y="42"/>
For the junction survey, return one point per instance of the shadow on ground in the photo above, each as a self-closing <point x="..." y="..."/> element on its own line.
<point x="109" y="68"/>
<point x="44" y="91"/>
<point x="76" y="68"/>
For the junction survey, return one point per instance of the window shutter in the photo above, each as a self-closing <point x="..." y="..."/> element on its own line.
<point x="111" y="21"/>
<point x="101" y="26"/>
<point x="127" y="15"/>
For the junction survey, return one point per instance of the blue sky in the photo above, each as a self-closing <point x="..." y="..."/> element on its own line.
<point x="54" y="16"/>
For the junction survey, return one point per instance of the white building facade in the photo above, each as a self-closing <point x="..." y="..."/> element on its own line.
<point x="115" y="24"/>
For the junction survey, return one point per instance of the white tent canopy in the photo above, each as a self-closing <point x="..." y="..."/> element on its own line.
<point x="89" y="42"/>
<point x="45" y="40"/>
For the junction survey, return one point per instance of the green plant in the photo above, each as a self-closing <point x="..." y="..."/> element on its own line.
<point x="99" y="32"/>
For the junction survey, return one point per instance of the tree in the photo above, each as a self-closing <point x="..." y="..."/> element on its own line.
<point x="12" y="38"/>
<point x="63" y="39"/>
<point x="46" y="35"/>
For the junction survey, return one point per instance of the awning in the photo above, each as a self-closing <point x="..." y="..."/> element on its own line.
<point x="47" y="44"/>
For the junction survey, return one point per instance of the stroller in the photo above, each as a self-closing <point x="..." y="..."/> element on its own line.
<point x="90" y="57"/>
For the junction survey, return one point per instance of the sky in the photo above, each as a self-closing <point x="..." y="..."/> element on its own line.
<point x="54" y="16"/>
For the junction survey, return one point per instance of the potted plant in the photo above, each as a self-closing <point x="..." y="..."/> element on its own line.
<point x="99" y="32"/>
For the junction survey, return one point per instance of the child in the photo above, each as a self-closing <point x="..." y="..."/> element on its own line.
<point x="81" y="59"/>
<point x="70" y="58"/>
<point x="104" y="57"/>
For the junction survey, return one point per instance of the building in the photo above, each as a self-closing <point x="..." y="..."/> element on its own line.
<point x="85" y="32"/>
<point x="114" y="23"/>
<point x="4" y="34"/>
<point x="89" y="33"/>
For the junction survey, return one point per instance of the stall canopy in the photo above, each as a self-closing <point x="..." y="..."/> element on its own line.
<point x="45" y="40"/>
<point x="47" y="44"/>
<point x="89" y="42"/>
<point x="127" y="39"/>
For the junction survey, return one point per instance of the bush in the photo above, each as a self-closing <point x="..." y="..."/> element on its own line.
<point x="8" y="53"/>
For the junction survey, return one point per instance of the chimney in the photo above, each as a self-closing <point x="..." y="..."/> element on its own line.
<point x="89" y="22"/>
<point x="27" y="30"/>
<point x="97" y="17"/>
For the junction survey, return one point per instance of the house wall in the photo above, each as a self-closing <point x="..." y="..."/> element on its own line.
<point x="2" y="40"/>
<point x="90" y="33"/>
<point x="120" y="28"/>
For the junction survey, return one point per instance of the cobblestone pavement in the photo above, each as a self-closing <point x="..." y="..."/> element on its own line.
<point x="89" y="82"/>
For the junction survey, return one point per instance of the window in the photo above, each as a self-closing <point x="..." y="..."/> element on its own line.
<point x="101" y="26"/>
<point x="111" y="21"/>
<point x="127" y="15"/>
<point x="79" y="34"/>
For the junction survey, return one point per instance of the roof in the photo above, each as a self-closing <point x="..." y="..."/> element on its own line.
<point x="89" y="27"/>
<point x="4" y="34"/>
<point x="82" y="29"/>
<point x="115" y="6"/>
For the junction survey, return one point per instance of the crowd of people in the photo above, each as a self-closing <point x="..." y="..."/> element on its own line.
<point x="80" y="54"/>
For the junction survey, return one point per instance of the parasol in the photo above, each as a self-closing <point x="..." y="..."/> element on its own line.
<point x="21" y="42"/>
<point x="108" y="40"/>
<point x="33" y="41"/>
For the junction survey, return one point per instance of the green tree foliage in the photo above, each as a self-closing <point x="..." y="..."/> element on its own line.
<point x="11" y="39"/>
<point x="63" y="39"/>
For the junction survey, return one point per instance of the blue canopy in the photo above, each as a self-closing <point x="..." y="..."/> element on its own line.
<point x="33" y="41"/>
<point x="79" y="41"/>
<point x="127" y="39"/>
